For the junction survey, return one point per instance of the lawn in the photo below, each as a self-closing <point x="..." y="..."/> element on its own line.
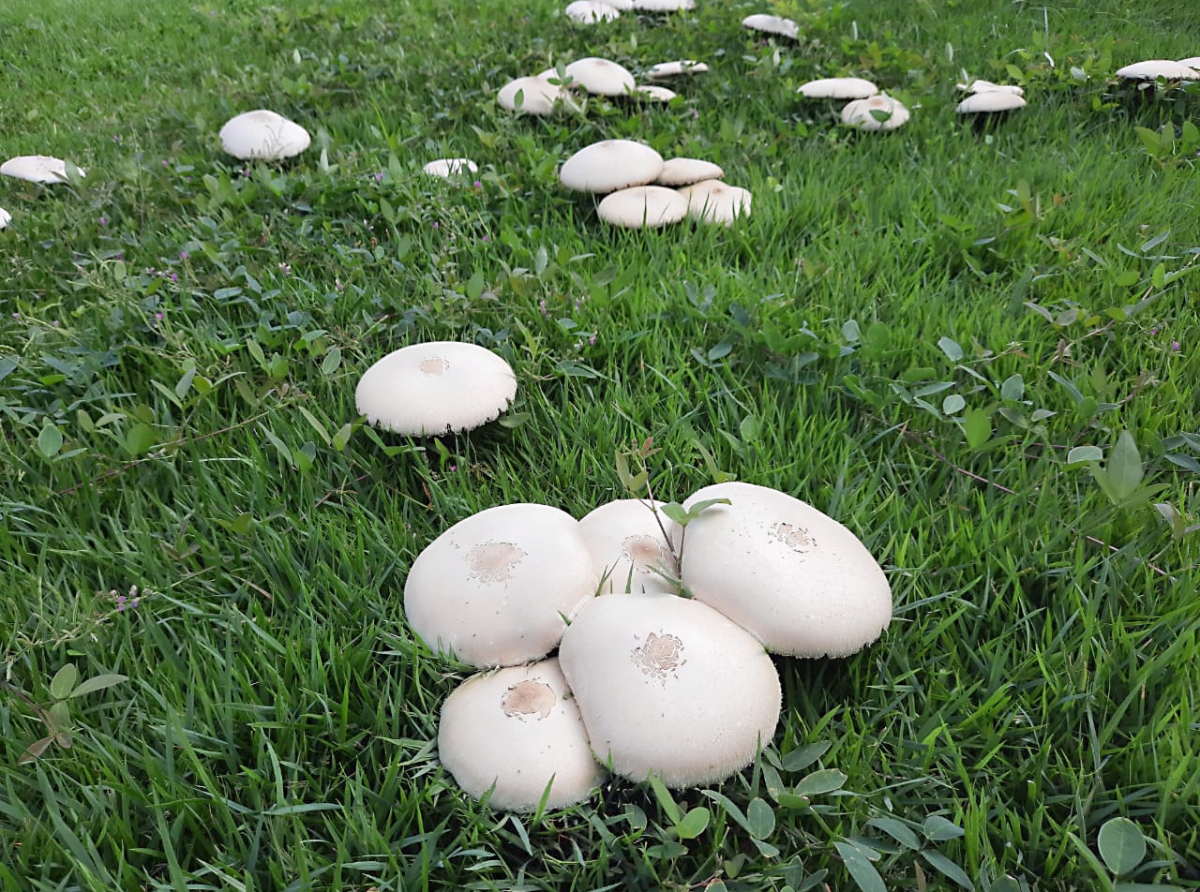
<point x="978" y="347"/>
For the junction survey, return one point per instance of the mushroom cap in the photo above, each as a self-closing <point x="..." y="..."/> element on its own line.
<point x="494" y="589"/>
<point x="5" y="218"/>
<point x="712" y="201"/>
<point x="588" y="12"/>
<point x="263" y="134"/>
<point x="449" y="167"/>
<point x="982" y="86"/>
<point x="628" y="545"/>
<point x="643" y="207"/>
<point x="686" y="171"/>
<point x="861" y="113"/>
<point x="990" y="102"/>
<point x="435" y="388"/>
<point x="654" y="93"/>
<point x="1193" y="62"/>
<point x="838" y="88"/>
<point x="1153" y="69"/>
<point x="609" y="165"/>
<point x="602" y="77"/>
<point x="538" y="95"/>
<point x="794" y="577"/>
<point x="664" y="70"/>
<point x="771" y="24"/>
<point x="37" y="169"/>
<point x="663" y="5"/>
<point x="519" y="730"/>
<point x="669" y="686"/>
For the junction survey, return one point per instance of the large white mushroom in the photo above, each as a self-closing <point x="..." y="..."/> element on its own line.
<point x="990" y="102"/>
<point x="628" y="544"/>
<point x="772" y="24"/>
<point x="838" y="88"/>
<point x="532" y="95"/>
<point x="516" y="732"/>
<point x="712" y="201"/>
<point x="880" y="112"/>
<point x="609" y="165"/>
<point x="643" y="207"/>
<point x="264" y="135"/>
<point x="589" y="12"/>
<point x="797" y="579"/>
<point x="450" y="167"/>
<point x="1158" y="69"/>
<point x="669" y="686"/>
<point x="981" y="86"/>
<point x="497" y="588"/>
<point x="5" y="218"/>
<point x="602" y="77"/>
<point x="43" y="169"/>
<point x="436" y="388"/>
<point x="664" y="5"/>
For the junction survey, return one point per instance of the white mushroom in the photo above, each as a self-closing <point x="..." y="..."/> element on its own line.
<point x="797" y="579"/>
<point x="669" y="686"/>
<point x="497" y="588"/>
<point x="772" y="24"/>
<point x="880" y="112"/>
<point x="664" y="70"/>
<point x="685" y="171"/>
<point x="643" y="207"/>
<point x="982" y="86"/>
<point x="436" y="388"/>
<point x="628" y="545"/>
<point x="712" y="201"/>
<point x="990" y="102"/>
<point x="516" y="732"/>
<point x="589" y="12"/>
<point x="663" y="5"/>
<point x="263" y="134"/>
<point x="38" y="169"/>
<point x="1156" y="69"/>
<point x="1193" y="62"/>
<point x="5" y="218"/>
<point x="609" y="165"/>
<point x="601" y="76"/>
<point x="838" y="88"/>
<point x="531" y="95"/>
<point x="654" y="92"/>
<point x="450" y="167"/>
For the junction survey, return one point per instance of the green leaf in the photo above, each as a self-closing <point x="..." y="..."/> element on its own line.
<point x="761" y="819"/>
<point x="1005" y="884"/>
<point x="1124" y="466"/>
<point x="801" y="758"/>
<point x="1145" y="887"/>
<point x="702" y="506"/>
<point x="1013" y="388"/>
<point x="50" y="440"/>
<point x="953" y="404"/>
<point x="1158" y="276"/>
<point x="978" y="428"/>
<point x="332" y="360"/>
<point x="860" y="868"/>
<point x="63" y="681"/>
<point x="140" y="439"/>
<point x="939" y="829"/>
<point x="951" y="349"/>
<point x="824" y="781"/>
<point x="949" y="868"/>
<point x="665" y="800"/>
<point x="97" y="683"/>
<point x="35" y="749"/>
<point x="675" y="512"/>
<point x="1084" y="453"/>
<point x="730" y="807"/>
<point x="694" y="823"/>
<point x="1121" y="845"/>
<point x="897" y="830"/>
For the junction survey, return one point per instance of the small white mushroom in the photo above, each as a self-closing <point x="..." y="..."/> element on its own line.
<point x="838" y="88"/>
<point x="663" y="5"/>
<point x="450" y="167"/>
<point x="1158" y="69"/>
<point x="609" y="165"/>
<point x="497" y="588"/>
<point x="685" y="171"/>
<point x="664" y="70"/>
<point x="516" y="732"/>
<point x="654" y="93"/>
<point x="982" y="86"/>
<point x="629" y="546"/>
<point x="880" y="112"/>
<point x="990" y="102"/>
<point x="263" y="134"/>
<point x="436" y="388"/>
<point x="531" y="95"/>
<point x="643" y="207"/>
<point x="5" y="218"/>
<point x="589" y="12"/>
<point x="711" y="201"/>
<point x="602" y="77"/>
<point x="38" y="169"/>
<point x="772" y="24"/>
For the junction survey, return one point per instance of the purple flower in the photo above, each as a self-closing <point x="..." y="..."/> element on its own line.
<point x="478" y="184"/>
<point x="158" y="317"/>
<point x="379" y="177"/>
<point x="1175" y="346"/>
<point x="436" y="225"/>
<point x="104" y="221"/>
<point x="184" y="255"/>
<point x="485" y="238"/>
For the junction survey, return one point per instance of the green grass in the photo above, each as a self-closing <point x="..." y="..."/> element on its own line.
<point x="277" y="727"/>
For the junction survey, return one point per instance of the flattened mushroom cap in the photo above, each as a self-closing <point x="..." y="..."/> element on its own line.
<point x="1193" y="62"/>
<point x="494" y="588"/>
<point x="602" y="77"/>
<point x="771" y="24"/>
<point x="679" y="67"/>
<point x="628" y="545"/>
<point x="982" y="86"/>
<point x="712" y="201"/>
<point x="685" y="171"/>
<point x="449" y="167"/>
<point x="5" y="218"/>
<point x="519" y="730"/>
<point x="663" y="5"/>
<point x="1153" y="69"/>
<point x="880" y="112"/>
<point x="588" y="12"/>
<point x="538" y="96"/>
<point x="436" y="388"/>
<point x="263" y="134"/>
<point x="990" y="102"/>
<point x="654" y="92"/>
<point x="797" y="579"/>
<point x="838" y="88"/>
<point x="643" y="207"/>
<point x="37" y="169"/>
<point x="669" y="686"/>
<point x="609" y="165"/>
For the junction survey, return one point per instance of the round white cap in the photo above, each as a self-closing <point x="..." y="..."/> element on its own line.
<point x="601" y="76"/>
<point x="685" y="171"/>
<point x="990" y="102"/>
<point x="712" y="201"/>
<point x="679" y="67"/>
<point x="436" y="388"/>
<point x="880" y="112"/>
<point x="654" y="92"/>
<point x="449" y="167"/>
<point x="797" y="579"/>
<point x="628" y="546"/>
<point x="496" y="588"/>
<point x="669" y="686"/>
<point x="37" y="169"/>
<point x="609" y="165"/>
<point x="663" y="5"/>
<point x="771" y="24"/>
<point x="588" y="12"/>
<point x="1152" y="69"/>
<point x="982" y="86"/>
<point x="838" y="88"/>
<point x="518" y="731"/>
<point x="643" y="207"/>
<point x="5" y="218"/>
<point x="537" y="95"/>
<point x="263" y="134"/>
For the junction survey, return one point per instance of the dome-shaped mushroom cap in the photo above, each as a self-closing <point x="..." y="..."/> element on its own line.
<point x="538" y="96"/>
<point x="5" y="218"/>
<point x="628" y="545"/>
<point x="1193" y="62"/>
<point x="797" y="579"/>
<point x="1152" y="69"/>
<point x="669" y="686"/>
<point x="678" y="68"/>
<point x="518" y="729"/>
<point x="643" y="207"/>
<point x="685" y="171"/>
<point x="880" y="112"/>
<point x="609" y="165"/>
<point x="449" y="167"/>
<point x="654" y="93"/>
<point x="990" y="102"/>
<point x="771" y="24"/>
<point x="588" y="12"/>
<point x="436" y="388"/>
<point x="37" y="169"/>
<point x="601" y="76"/>
<point x="494" y="588"/>
<point x="838" y="88"/>
<point x="982" y="86"/>
<point x="712" y="201"/>
<point x="263" y="134"/>
<point x="663" y="5"/>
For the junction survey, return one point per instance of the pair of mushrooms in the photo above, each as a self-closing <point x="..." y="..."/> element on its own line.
<point x="42" y="169"/>
<point x="590" y="12"/>
<point x="645" y="682"/>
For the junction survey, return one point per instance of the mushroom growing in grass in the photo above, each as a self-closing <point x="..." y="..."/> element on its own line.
<point x="838" y="88"/>
<point x="602" y="77"/>
<point x="517" y="732"/>
<point x="643" y="207"/>
<point x="686" y="171"/>
<point x="589" y="12"/>
<point x="1158" y="69"/>
<point x="772" y="24"/>
<point x="668" y="686"/>
<point x="43" y="169"/>
<point x="263" y="135"/>
<point x="797" y="579"/>
<point x="982" y="86"/>
<point x="532" y="95"/>
<point x="664" y="5"/>
<point x="5" y="218"/>
<point x="990" y="102"/>
<point x="630" y="541"/>
<point x="712" y="201"/>
<point x="880" y="112"/>
<point x="450" y="167"/>
<point x="609" y="165"/>
<point x="678" y="68"/>
<point x="654" y="93"/>
<point x="436" y="388"/>
<point x="497" y="588"/>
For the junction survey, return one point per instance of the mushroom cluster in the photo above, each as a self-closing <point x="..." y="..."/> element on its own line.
<point x="553" y="89"/>
<point x="644" y="682"/>
<point x="589" y="12"/>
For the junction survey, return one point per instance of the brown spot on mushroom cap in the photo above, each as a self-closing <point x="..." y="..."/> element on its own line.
<point x="493" y="562"/>
<point x="531" y="697"/>
<point x="434" y="365"/>
<point x="659" y="656"/>
<point x="645" y="553"/>
<point x="793" y="536"/>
